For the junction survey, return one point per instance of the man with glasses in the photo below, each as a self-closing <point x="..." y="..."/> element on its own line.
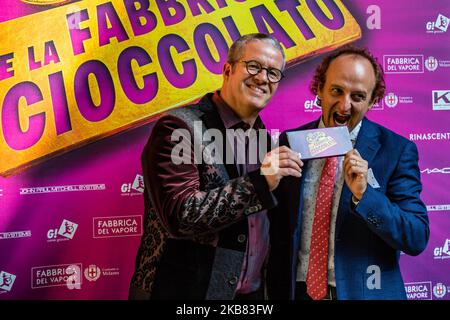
<point x="206" y="229"/>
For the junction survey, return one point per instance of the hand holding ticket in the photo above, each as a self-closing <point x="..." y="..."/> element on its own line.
<point x="320" y="143"/>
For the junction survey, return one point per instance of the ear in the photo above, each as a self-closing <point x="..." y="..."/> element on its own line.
<point x="319" y="90"/>
<point x="226" y="70"/>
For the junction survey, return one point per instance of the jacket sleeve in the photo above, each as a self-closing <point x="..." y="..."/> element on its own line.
<point x="399" y="217"/>
<point x="174" y="188"/>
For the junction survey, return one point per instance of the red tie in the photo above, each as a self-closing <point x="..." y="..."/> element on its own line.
<point x="316" y="279"/>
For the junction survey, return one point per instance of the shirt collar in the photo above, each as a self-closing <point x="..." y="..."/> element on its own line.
<point x="229" y="118"/>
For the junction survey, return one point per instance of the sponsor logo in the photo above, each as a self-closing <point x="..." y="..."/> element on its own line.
<point x="312" y="106"/>
<point x="133" y="188"/>
<point x="440" y="25"/>
<point x="438" y="207"/>
<point x="65" y="232"/>
<point x="6" y="281"/>
<point x="15" y="234"/>
<point x="110" y="272"/>
<point x="392" y="100"/>
<point x="119" y="226"/>
<point x="442" y="252"/>
<point x="436" y="170"/>
<point x="418" y="290"/>
<point x="429" y="136"/>
<point x="57" y="275"/>
<point x="71" y="188"/>
<point x="439" y="290"/>
<point x="92" y="272"/>
<point x="444" y="63"/>
<point x="441" y="99"/>
<point x="403" y="63"/>
<point x="431" y="63"/>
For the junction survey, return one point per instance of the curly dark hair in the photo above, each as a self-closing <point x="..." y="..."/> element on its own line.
<point x="318" y="80"/>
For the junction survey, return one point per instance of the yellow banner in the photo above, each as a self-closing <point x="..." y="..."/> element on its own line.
<point x="78" y="73"/>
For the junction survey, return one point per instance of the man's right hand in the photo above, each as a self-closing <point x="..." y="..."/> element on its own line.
<point x="278" y="163"/>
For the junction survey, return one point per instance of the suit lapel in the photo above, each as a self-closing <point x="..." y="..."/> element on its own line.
<point x="211" y="119"/>
<point x="367" y="144"/>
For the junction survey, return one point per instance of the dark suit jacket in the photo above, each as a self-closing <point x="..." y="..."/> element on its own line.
<point x="387" y="220"/>
<point x="195" y="227"/>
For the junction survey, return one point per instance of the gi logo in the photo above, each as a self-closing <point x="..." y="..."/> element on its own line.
<point x="312" y="105"/>
<point x="391" y="100"/>
<point x="441" y="24"/>
<point x="443" y="252"/>
<point x="6" y="281"/>
<point x="137" y="186"/>
<point x="66" y="230"/>
<point x="439" y="290"/>
<point x="431" y="63"/>
<point x="92" y="273"/>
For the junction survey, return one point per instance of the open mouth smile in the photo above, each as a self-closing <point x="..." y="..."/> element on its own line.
<point x="341" y="119"/>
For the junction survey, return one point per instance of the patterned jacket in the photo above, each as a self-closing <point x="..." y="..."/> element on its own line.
<point x="193" y="244"/>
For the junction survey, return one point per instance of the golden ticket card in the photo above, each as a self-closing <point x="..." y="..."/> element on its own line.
<point x="320" y="143"/>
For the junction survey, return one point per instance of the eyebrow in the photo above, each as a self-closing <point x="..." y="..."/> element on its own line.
<point x="353" y="92"/>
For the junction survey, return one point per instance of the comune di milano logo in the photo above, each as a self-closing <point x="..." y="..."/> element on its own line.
<point x="439" y="290"/>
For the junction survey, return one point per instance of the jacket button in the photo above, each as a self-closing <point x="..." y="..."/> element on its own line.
<point x="241" y="238"/>
<point x="233" y="280"/>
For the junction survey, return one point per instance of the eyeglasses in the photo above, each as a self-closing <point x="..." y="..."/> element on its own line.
<point x="254" y="67"/>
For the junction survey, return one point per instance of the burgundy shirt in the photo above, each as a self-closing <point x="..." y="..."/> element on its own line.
<point x="258" y="224"/>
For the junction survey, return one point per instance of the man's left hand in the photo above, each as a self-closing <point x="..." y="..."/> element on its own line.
<point x="355" y="173"/>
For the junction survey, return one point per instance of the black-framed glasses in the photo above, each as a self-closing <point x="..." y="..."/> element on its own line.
<point x="253" y="67"/>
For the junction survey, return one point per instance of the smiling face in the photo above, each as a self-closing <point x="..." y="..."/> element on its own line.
<point x="248" y="94"/>
<point x="346" y="94"/>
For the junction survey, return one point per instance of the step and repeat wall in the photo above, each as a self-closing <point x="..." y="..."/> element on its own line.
<point x="82" y="81"/>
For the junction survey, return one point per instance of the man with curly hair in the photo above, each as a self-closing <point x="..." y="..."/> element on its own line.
<point x="348" y="217"/>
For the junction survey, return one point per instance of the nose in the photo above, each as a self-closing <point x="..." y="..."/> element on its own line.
<point x="262" y="76"/>
<point x="345" y="104"/>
